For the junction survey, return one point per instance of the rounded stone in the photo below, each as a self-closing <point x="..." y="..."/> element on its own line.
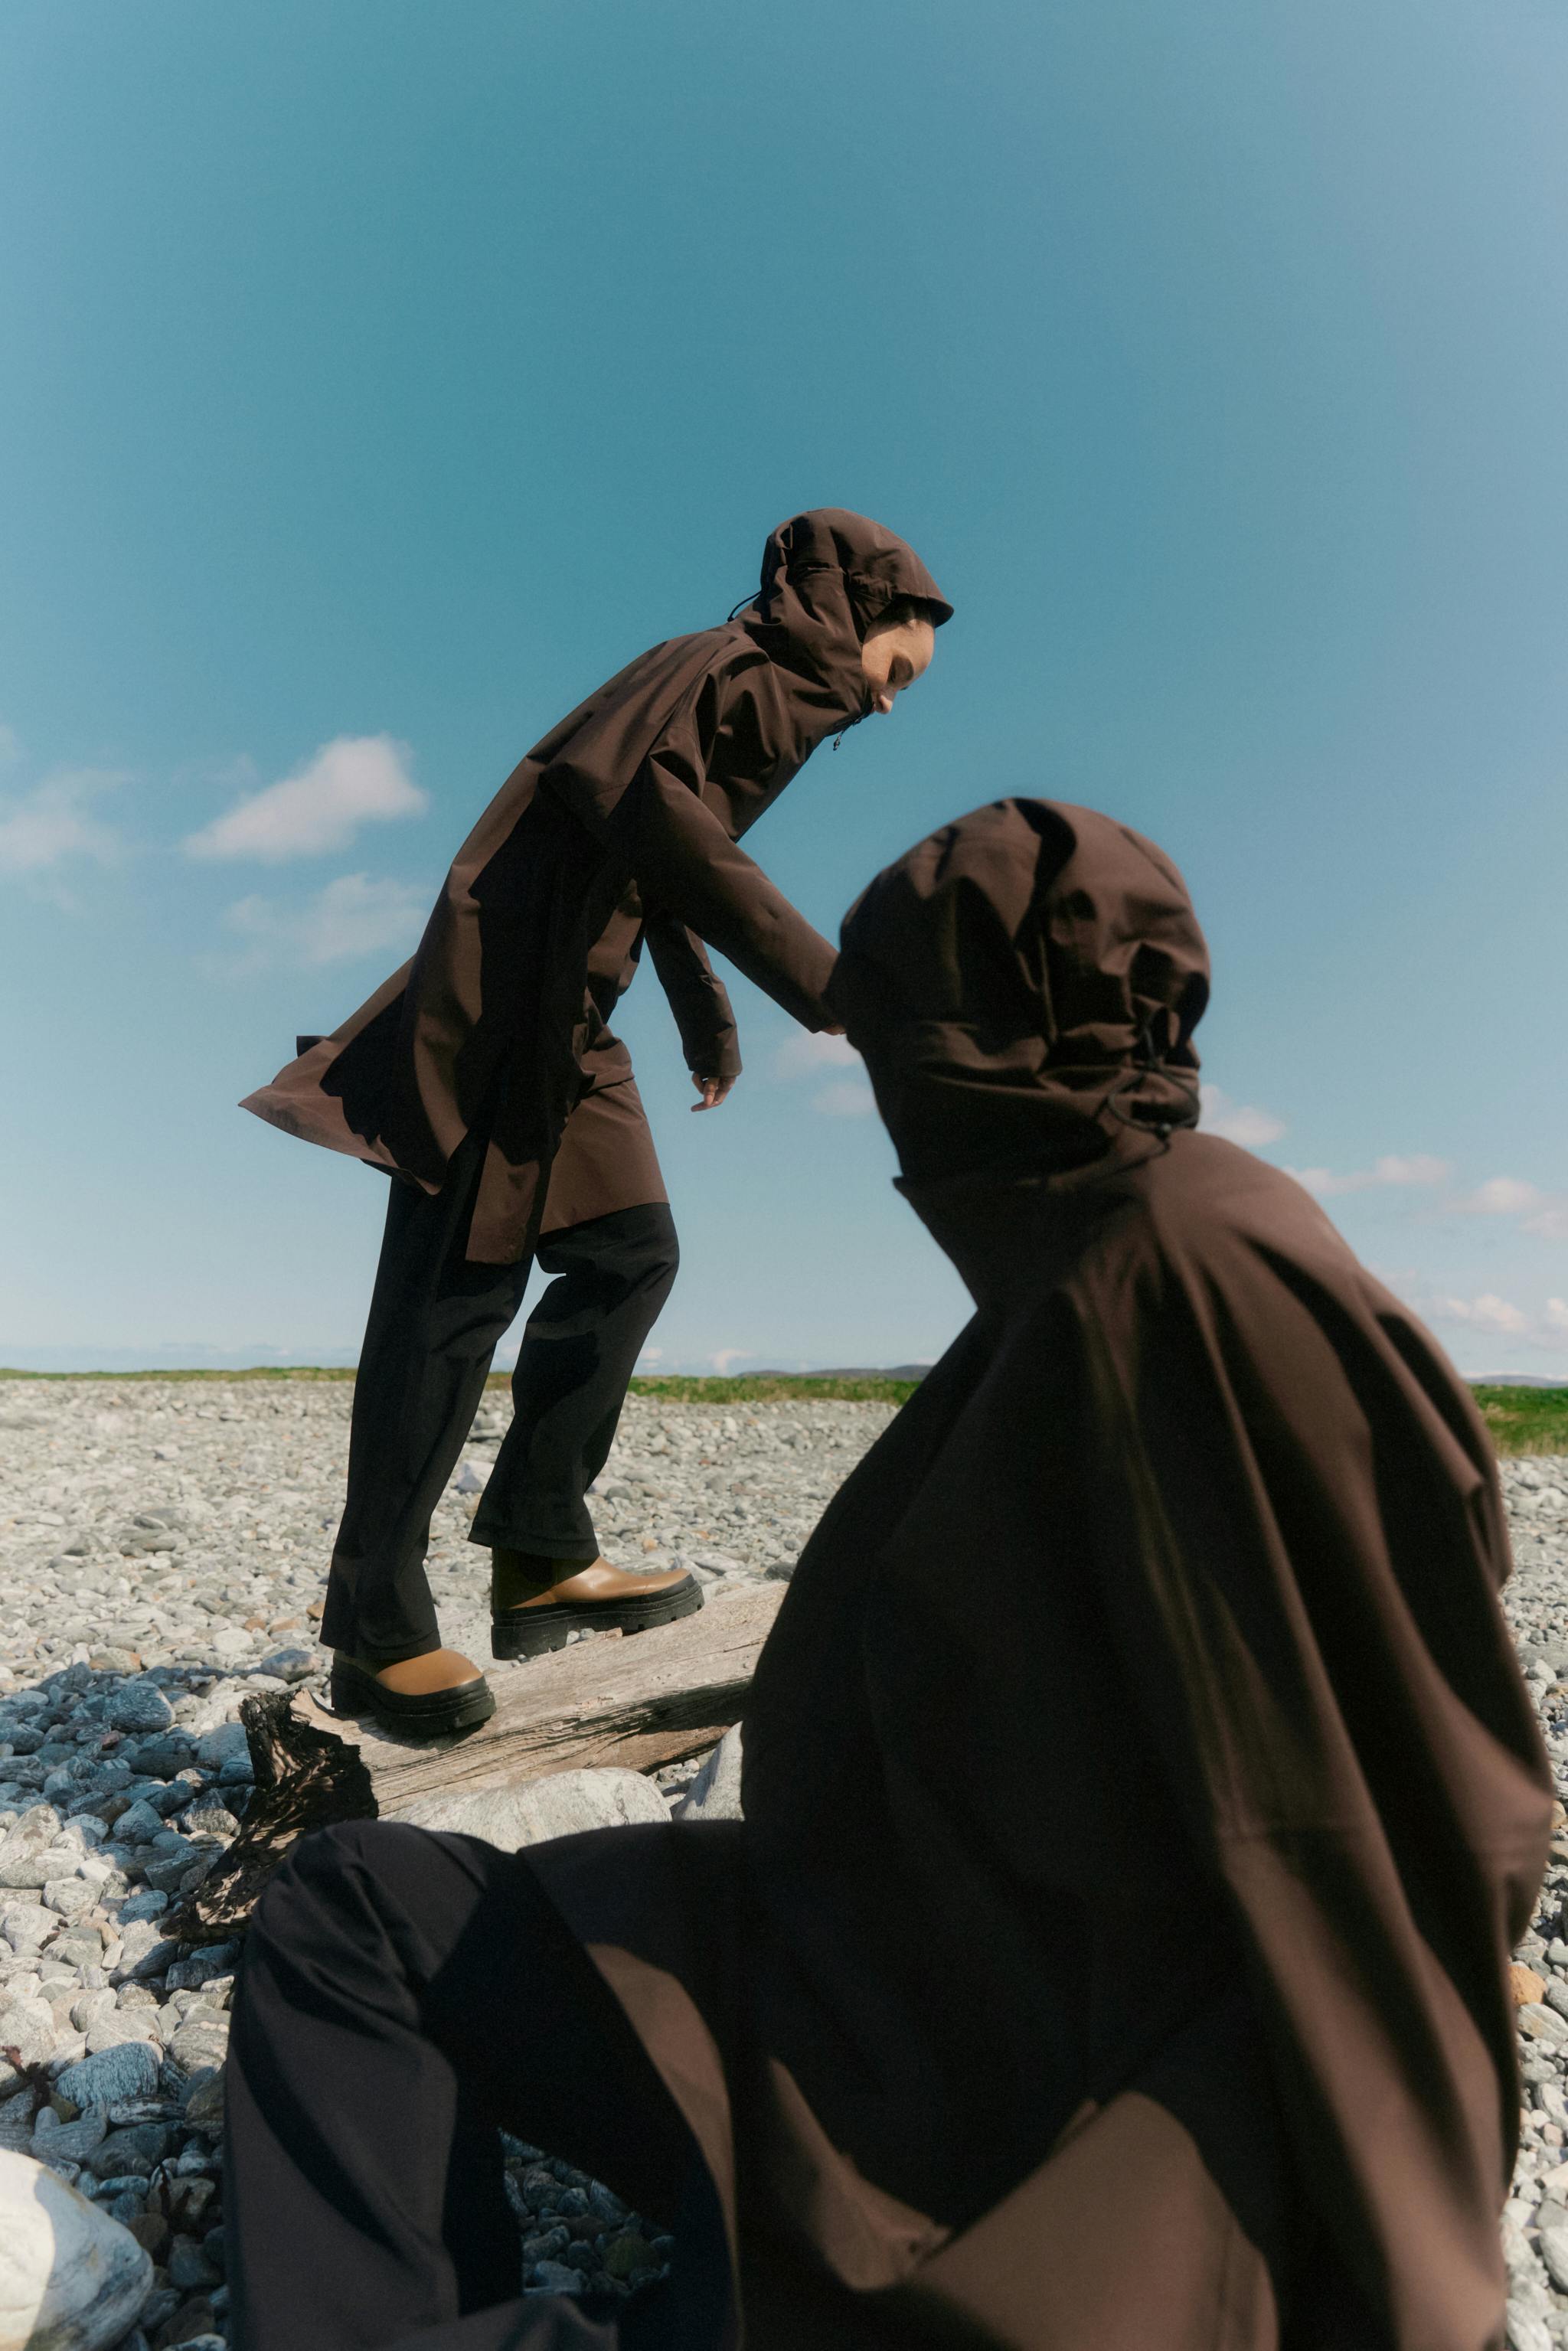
<point x="140" y="1705"/>
<point x="71" y="2278"/>
<point x="129" y="2070"/>
<point x="542" y="1809"/>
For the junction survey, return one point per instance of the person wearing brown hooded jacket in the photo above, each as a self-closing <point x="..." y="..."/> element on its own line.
<point x="1140" y="1794"/>
<point x="485" y="1077"/>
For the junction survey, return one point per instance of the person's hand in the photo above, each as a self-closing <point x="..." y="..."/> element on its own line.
<point x="713" y="1091"/>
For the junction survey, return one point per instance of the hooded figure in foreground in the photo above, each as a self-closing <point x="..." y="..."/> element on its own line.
<point x="485" y="1077"/>
<point x="1142" y="1798"/>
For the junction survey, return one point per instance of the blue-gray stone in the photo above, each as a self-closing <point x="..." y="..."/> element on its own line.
<point x="290" y="1664"/>
<point x="161" y="1758"/>
<point x="129" y="2070"/>
<point x="151" y="1905"/>
<point x="138" y="1824"/>
<point x="220" y="1746"/>
<point x="555" y="2277"/>
<point x="140" y="1705"/>
<point x="201" y="1967"/>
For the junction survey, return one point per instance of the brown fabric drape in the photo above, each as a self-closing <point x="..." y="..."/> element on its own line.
<point x="633" y="805"/>
<point x="1142" y="1797"/>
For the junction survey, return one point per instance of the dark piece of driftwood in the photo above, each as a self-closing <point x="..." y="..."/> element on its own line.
<point x="632" y="1704"/>
<point x="305" y="1778"/>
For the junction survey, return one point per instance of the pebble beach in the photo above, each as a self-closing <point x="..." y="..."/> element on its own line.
<point x="162" y="1549"/>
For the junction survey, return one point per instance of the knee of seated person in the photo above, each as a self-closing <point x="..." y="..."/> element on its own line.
<point x="313" y="1876"/>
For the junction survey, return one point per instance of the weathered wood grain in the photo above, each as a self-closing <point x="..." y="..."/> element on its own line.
<point x="634" y="1704"/>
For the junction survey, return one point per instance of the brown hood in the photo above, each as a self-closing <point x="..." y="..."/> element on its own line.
<point x="826" y="576"/>
<point x="1024" y="984"/>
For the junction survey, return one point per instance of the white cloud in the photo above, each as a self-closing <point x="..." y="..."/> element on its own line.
<point x="1499" y="1196"/>
<point x="357" y="779"/>
<point x="52" y="822"/>
<point x="1391" y="1170"/>
<point x="805" y="1051"/>
<point x="806" y="1054"/>
<point x="1487" y="1312"/>
<point x="848" y="1098"/>
<point x="351" y="917"/>
<point x="722" y="1358"/>
<point x="1240" y="1122"/>
<point x="1545" y="1213"/>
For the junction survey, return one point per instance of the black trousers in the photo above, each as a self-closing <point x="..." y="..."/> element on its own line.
<point x="402" y="1995"/>
<point x="434" y="1323"/>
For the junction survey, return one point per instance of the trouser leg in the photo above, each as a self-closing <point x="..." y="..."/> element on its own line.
<point x="579" y="1350"/>
<point x="402" y="1995"/>
<point x="433" y="1325"/>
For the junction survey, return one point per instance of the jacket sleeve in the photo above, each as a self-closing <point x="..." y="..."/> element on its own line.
<point x="698" y="998"/>
<point x="682" y="859"/>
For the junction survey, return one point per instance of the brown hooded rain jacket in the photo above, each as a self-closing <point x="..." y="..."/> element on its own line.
<point x="621" y="825"/>
<point x="1142" y="1797"/>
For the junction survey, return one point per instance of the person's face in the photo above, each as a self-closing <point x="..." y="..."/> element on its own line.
<point x="894" y="658"/>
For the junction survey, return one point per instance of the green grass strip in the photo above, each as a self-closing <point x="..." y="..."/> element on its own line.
<point x="1521" y="1420"/>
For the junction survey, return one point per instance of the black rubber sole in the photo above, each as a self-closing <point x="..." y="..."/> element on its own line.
<point x="535" y="1632"/>
<point x="438" y="1714"/>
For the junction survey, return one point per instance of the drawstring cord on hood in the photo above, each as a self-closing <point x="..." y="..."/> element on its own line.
<point x="849" y="722"/>
<point x="1145" y="1060"/>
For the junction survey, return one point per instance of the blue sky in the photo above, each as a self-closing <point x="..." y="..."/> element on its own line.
<point x="377" y="379"/>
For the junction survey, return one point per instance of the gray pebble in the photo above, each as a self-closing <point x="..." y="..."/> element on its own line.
<point x="555" y="2277"/>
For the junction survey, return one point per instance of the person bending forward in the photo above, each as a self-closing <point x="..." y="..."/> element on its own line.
<point x="485" y="1075"/>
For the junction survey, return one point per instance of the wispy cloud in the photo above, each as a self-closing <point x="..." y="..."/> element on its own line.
<point x="1487" y="1312"/>
<point x="1391" y="1171"/>
<point x="1545" y="1213"/>
<point x="722" y="1358"/>
<point x="806" y="1055"/>
<point x="1484" y="1311"/>
<point x="1241" y="1122"/>
<point x="356" y="780"/>
<point x="805" y="1051"/>
<point x="53" y="821"/>
<point x="351" y="917"/>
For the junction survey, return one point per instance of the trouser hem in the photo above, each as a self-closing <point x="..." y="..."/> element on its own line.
<point x="368" y="1655"/>
<point x="583" y="1547"/>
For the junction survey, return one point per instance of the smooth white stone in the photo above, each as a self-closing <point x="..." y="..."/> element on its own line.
<point x="70" y="2278"/>
<point x="532" y="1814"/>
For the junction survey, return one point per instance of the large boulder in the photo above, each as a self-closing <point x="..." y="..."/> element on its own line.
<point x="541" y="1809"/>
<point x="70" y="2278"/>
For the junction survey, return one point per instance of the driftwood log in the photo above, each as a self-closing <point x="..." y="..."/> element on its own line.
<point x="636" y="1704"/>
